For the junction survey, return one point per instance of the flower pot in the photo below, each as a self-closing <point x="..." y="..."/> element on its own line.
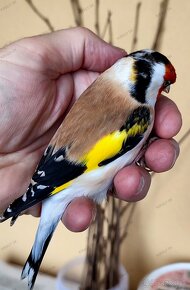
<point x="70" y="275"/>
<point x="172" y="276"/>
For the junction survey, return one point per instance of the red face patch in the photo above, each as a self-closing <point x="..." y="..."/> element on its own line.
<point x="170" y="74"/>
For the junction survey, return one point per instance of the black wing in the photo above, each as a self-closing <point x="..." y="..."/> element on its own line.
<point x="53" y="170"/>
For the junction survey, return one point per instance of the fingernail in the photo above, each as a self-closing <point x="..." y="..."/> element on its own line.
<point x="141" y="185"/>
<point x="176" y="151"/>
<point x="176" y="145"/>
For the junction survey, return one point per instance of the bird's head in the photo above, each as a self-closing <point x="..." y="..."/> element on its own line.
<point x="146" y="73"/>
<point x="152" y="74"/>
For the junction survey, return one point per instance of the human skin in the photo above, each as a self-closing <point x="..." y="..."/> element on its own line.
<point x="40" y="79"/>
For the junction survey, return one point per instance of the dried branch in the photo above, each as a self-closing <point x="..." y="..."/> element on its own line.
<point x="126" y="226"/>
<point x="113" y="274"/>
<point x="96" y="254"/>
<point x="110" y="238"/>
<point x="107" y="24"/>
<point x="136" y="26"/>
<point x="110" y="28"/>
<point x="161" y="21"/>
<point x="40" y="15"/>
<point x="77" y="12"/>
<point x="124" y="209"/>
<point x="184" y="137"/>
<point x="97" y="21"/>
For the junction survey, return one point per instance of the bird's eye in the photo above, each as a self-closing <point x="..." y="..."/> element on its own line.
<point x="166" y="86"/>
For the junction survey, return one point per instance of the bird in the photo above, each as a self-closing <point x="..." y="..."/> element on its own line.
<point x="104" y="131"/>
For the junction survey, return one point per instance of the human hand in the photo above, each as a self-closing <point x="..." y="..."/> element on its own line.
<point x="40" y="78"/>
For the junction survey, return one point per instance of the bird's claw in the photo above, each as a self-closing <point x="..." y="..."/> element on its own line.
<point x="140" y="160"/>
<point x="2" y="218"/>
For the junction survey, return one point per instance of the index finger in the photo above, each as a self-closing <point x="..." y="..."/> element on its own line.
<point x="69" y="50"/>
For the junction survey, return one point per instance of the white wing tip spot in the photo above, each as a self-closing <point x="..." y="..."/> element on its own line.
<point x="24" y="198"/>
<point x="60" y="158"/>
<point x="40" y="186"/>
<point x="41" y="173"/>
<point x="32" y="192"/>
<point x="9" y="209"/>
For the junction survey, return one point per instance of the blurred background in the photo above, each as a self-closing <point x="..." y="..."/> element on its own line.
<point x="158" y="231"/>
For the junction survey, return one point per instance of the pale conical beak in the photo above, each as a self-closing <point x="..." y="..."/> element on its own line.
<point x="167" y="89"/>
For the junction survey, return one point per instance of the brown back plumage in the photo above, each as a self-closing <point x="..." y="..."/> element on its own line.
<point x="100" y="110"/>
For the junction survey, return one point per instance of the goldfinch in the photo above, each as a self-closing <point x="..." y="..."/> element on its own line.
<point x="103" y="132"/>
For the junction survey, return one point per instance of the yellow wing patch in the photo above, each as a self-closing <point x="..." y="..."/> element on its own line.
<point x="110" y="145"/>
<point x="64" y="186"/>
<point x="105" y="148"/>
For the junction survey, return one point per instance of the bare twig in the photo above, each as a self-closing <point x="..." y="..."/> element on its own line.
<point x="136" y="26"/>
<point x="107" y="24"/>
<point x="77" y="12"/>
<point x="184" y="137"/>
<point x="113" y="274"/>
<point x="161" y="21"/>
<point x="126" y="226"/>
<point x="97" y="25"/>
<point x="110" y="28"/>
<point x="40" y="15"/>
<point x="124" y="208"/>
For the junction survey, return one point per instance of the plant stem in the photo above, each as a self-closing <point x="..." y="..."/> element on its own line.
<point x="161" y="21"/>
<point x="77" y="12"/>
<point x="136" y="26"/>
<point x="40" y="15"/>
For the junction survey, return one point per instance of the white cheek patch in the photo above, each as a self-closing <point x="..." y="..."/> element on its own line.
<point x="121" y="72"/>
<point x="155" y="84"/>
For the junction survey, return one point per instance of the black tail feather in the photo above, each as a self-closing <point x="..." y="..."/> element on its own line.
<point x="31" y="267"/>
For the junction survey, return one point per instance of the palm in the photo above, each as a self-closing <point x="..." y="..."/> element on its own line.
<point x="38" y="99"/>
